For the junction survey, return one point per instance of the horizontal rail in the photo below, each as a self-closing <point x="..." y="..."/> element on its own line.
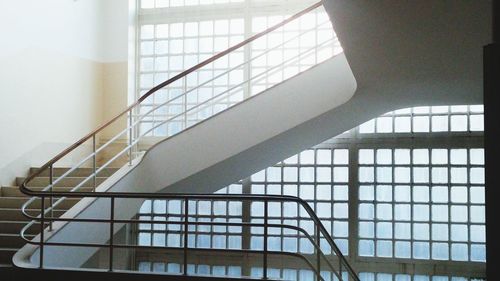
<point x="213" y="197"/>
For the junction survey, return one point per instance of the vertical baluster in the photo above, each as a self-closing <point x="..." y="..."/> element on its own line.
<point x="184" y="93"/>
<point x="42" y="222"/>
<point x="266" y="231"/>
<point x="186" y="217"/>
<point x="111" y="234"/>
<point x="51" y="198"/>
<point x="94" y="161"/>
<point x="318" y="250"/>
<point x="131" y="137"/>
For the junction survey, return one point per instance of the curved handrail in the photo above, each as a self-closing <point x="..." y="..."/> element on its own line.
<point x="180" y="196"/>
<point x="159" y="87"/>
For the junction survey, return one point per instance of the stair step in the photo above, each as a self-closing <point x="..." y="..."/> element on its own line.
<point x="6" y="255"/>
<point x="12" y="240"/>
<point x="69" y="181"/>
<point x="17" y="203"/>
<point x="17" y="215"/>
<point x="14" y="191"/>
<point x="15" y="227"/>
<point x="80" y="172"/>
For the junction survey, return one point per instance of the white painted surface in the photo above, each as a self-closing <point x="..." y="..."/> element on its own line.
<point x="229" y="135"/>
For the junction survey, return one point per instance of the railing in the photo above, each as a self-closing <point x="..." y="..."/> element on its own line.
<point x="321" y="241"/>
<point x="133" y="117"/>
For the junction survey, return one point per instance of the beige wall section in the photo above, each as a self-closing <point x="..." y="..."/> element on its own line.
<point x="63" y="72"/>
<point x="47" y="100"/>
<point x="114" y="102"/>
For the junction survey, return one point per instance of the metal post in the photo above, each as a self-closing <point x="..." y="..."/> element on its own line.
<point x="131" y="138"/>
<point x="42" y="222"/>
<point x="186" y="217"/>
<point x="51" y="198"/>
<point x="94" y="161"/>
<point x="184" y="90"/>
<point x="266" y="214"/>
<point x="318" y="251"/>
<point x="111" y="233"/>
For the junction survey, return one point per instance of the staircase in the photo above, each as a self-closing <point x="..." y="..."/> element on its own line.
<point x="238" y="124"/>
<point x="12" y="200"/>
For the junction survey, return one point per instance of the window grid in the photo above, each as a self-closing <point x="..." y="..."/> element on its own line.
<point x="370" y="276"/>
<point x="152" y="4"/>
<point x="168" y="49"/>
<point x="441" y="187"/>
<point x="428" y="119"/>
<point x="201" y="236"/>
<point x="420" y="207"/>
<point x="320" y="177"/>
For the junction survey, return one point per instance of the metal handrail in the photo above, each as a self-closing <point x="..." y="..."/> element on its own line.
<point x="179" y="76"/>
<point x="131" y="126"/>
<point x="42" y="219"/>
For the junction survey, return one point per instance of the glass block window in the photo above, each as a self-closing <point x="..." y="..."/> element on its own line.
<point x="369" y="276"/>
<point x="294" y="274"/>
<point x="422" y="204"/>
<point x="168" y="49"/>
<point x="320" y="177"/>
<point x="428" y="119"/>
<point x="193" y="269"/>
<point x="299" y="39"/>
<point x="174" y="35"/>
<point x="152" y="4"/>
<point x="201" y="236"/>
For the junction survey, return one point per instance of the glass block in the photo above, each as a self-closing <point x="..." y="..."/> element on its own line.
<point x="402" y="249"/>
<point x="440" y="124"/>
<point x="340" y="192"/>
<point x="459" y="213"/>
<point x="384" y="248"/>
<point x="420" y="156"/>
<point x="402" y="230"/>
<point x="420" y="212"/>
<point x="366" y="156"/>
<point x="324" y="156"/>
<point x="440" y="213"/>
<point x="440" y="232"/>
<point x="402" y="174"/>
<point x="384" y="174"/>
<point x="459" y="232"/>
<point x="366" y="192"/>
<point x="459" y="252"/>
<point x="384" y="193"/>
<point x="402" y="124"/>
<point x="440" y="252"/>
<point x="384" y="211"/>
<point x="366" y="229"/>
<point x="384" y="156"/>
<point x="341" y="157"/>
<point x="421" y="250"/>
<point x="421" y="124"/>
<point x="458" y="156"/>
<point x="366" y="211"/>
<point x="402" y="212"/>
<point x="476" y="123"/>
<point x="402" y="156"/>
<point x="402" y="193"/>
<point x="459" y="123"/>
<point x="384" y="125"/>
<point x="421" y="231"/>
<point x="476" y="156"/>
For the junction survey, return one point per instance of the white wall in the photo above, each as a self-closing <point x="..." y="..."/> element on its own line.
<point x="54" y="75"/>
